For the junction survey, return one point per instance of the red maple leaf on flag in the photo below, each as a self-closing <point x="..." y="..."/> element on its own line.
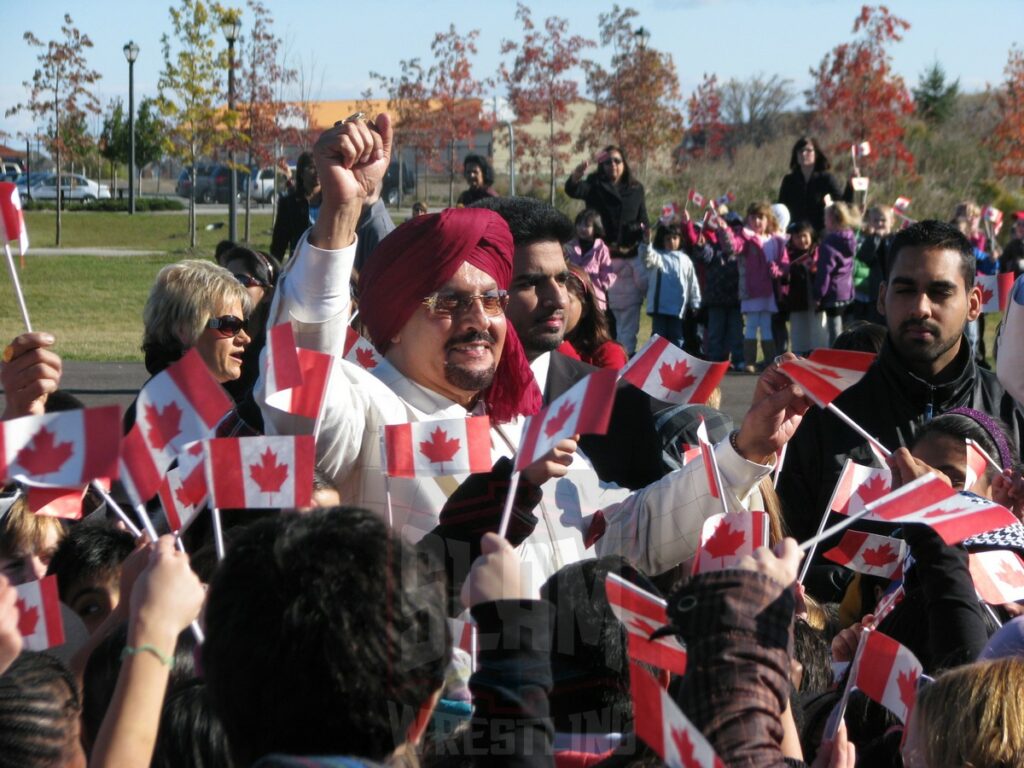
<point x="873" y="489"/>
<point x="366" y="358"/>
<point x="182" y="496"/>
<point x="28" y="618"/>
<point x="676" y="378"/>
<point x="643" y="625"/>
<point x="268" y="474"/>
<point x="438" y="448"/>
<point x="164" y="425"/>
<point x="986" y="295"/>
<point x="724" y="541"/>
<point x="907" y="682"/>
<point x="881" y="555"/>
<point x="556" y="422"/>
<point x="685" y="748"/>
<point x="1009" y="575"/>
<point x="42" y="455"/>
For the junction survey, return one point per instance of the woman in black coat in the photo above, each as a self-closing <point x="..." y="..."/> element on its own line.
<point x="804" y="188"/>
<point x="296" y="211"/>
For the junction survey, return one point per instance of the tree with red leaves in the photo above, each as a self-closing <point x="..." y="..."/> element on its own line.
<point x="707" y="133"/>
<point x="452" y="86"/>
<point x="409" y="106"/>
<point x="538" y="86"/>
<point x="60" y="91"/>
<point x="263" y="111"/>
<point x="637" y="98"/>
<point x="1007" y="140"/>
<point x="857" y="97"/>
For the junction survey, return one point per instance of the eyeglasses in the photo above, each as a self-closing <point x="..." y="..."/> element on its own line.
<point x="227" y="326"/>
<point x="613" y="161"/>
<point x="249" y="281"/>
<point x="449" y="304"/>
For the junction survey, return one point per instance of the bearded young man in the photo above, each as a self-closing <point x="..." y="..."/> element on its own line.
<point x="432" y="299"/>
<point x="926" y="367"/>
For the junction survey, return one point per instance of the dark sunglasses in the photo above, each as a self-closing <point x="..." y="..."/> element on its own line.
<point x="227" y="325"/>
<point x="249" y="281"/>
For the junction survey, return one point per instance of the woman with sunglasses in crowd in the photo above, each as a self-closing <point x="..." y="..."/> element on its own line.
<point x="196" y="304"/>
<point x="619" y="199"/>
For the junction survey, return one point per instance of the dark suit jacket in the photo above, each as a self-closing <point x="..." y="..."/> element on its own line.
<point x="630" y="454"/>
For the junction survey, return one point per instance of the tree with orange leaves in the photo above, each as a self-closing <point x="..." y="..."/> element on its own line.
<point x="857" y="97"/>
<point x="706" y="134"/>
<point x="538" y="86"/>
<point x="1007" y="140"/>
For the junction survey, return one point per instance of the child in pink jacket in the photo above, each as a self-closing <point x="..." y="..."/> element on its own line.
<point x="589" y="252"/>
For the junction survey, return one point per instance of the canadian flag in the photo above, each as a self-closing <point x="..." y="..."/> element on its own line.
<point x="260" y="472"/>
<point x="668" y="212"/>
<point x="39" y="619"/>
<point x="11" y="218"/>
<point x="696" y="198"/>
<point x="858" y="486"/>
<point x="998" y="576"/>
<point x="847" y="360"/>
<point x="177" y="406"/>
<point x="66" y="449"/>
<point x="901" y="204"/>
<point x="643" y="614"/>
<point x="725" y="199"/>
<point x="822" y="383"/>
<point x="864" y="149"/>
<point x="175" y="499"/>
<point x="887" y="673"/>
<point x="724" y="539"/>
<point x="954" y="516"/>
<point x="584" y="409"/>
<point x="710" y="464"/>
<point x="869" y="553"/>
<point x="281" y="367"/>
<point x="60" y="502"/>
<point x="360" y="351"/>
<point x="995" y="291"/>
<point x="977" y="463"/>
<point x="665" y="372"/>
<point x="433" y="448"/>
<point x="661" y="725"/>
<point x="993" y="216"/>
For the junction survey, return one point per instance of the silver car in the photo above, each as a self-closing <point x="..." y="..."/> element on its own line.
<point x="73" y="187"/>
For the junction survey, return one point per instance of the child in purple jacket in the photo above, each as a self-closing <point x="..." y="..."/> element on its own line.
<point x="833" y="282"/>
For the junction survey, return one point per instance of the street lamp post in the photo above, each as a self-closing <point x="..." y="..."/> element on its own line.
<point x="232" y="27"/>
<point x="131" y="52"/>
<point x="642" y="36"/>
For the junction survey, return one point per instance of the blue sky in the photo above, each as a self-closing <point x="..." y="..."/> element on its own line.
<point x="732" y="38"/>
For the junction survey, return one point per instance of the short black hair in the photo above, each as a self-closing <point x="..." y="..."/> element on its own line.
<point x="485" y="167"/>
<point x="39" y="704"/>
<point x="861" y="336"/>
<point x="531" y="221"/>
<point x="324" y="635"/>
<point x="936" y="235"/>
<point x="589" y="661"/>
<point x="90" y="551"/>
<point x="189" y="733"/>
<point x="592" y="217"/>
<point x="663" y="231"/>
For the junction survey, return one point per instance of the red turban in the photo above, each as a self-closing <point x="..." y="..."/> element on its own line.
<point x="422" y="255"/>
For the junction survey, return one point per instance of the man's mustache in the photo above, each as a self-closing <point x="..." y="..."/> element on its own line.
<point x="469" y="338"/>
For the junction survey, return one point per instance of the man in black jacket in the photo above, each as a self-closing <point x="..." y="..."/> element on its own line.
<point x="630" y="454"/>
<point x="926" y="367"/>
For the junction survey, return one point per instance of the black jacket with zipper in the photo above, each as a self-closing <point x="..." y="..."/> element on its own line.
<point x="891" y="403"/>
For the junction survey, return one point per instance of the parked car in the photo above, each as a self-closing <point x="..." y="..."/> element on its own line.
<point x="389" y="192"/>
<point x="213" y="183"/>
<point x="262" y="180"/>
<point x="10" y="170"/>
<point x="73" y="186"/>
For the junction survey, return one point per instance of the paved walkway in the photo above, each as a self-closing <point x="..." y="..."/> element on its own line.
<point x="79" y="251"/>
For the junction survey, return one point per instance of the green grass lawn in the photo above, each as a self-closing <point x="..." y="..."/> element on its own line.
<point x="143" y="231"/>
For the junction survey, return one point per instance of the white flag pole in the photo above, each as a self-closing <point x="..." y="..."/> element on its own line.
<point x="147" y="524"/>
<point x="387" y="498"/>
<point x="824" y="534"/>
<point x="17" y="287"/>
<point x="836" y="718"/>
<point x="860" y="430"/>
<point x="506" y="513"/>
<point x="778" y="466"/>
<point x="116" y="509"/>
<point x="218" y="533"/>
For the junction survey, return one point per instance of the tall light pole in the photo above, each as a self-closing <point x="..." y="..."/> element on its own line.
<point x="131" y="52"/>
<point x="642" y="36"/>
<point x="232" y="27"/>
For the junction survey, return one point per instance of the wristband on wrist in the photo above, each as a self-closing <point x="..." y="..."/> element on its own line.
<point x="167" y="661"/>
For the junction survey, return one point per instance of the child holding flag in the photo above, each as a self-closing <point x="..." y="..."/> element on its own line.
<point x="673" y="291"/>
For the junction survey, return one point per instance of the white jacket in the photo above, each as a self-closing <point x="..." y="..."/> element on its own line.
<point x="655" y="527"/>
